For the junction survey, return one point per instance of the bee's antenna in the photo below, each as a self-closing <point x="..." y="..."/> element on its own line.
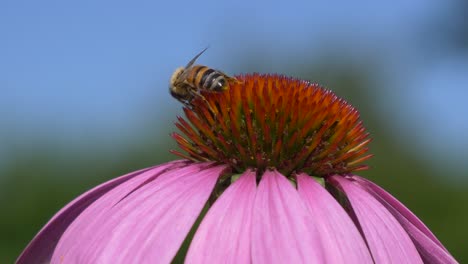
<point x="195" y="58"/>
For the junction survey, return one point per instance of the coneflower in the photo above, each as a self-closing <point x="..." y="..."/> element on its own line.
<point x="273" y="161"/>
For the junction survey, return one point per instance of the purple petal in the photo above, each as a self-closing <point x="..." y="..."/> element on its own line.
<point x="281" y="231"/>
<point x="224" y="234"/>
<point x="386" y="238"/>
<point x="430" y="248"/>
<point x="341" y="240"/>
<point x="41" y="247"/>
<point x="142" y="220"/>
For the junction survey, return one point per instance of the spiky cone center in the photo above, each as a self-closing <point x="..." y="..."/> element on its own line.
<point x="273" y="121"/>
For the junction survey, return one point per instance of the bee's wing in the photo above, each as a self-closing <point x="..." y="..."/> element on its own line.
<point x="182" y="77"/>
<point x="191" y="62"/>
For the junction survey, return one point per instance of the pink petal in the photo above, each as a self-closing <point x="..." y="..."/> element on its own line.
<point x="429" y="247"/>
<point x="40" y="249"/>
<point x="341" y="240"/>
<point x="387" y="240"/>
<point x="281" y="231"/>
<point x="224" y="234"/>
<point x="142" y="220"/>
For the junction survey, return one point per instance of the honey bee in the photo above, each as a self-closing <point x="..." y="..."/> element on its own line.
<point x="187" y="82"/>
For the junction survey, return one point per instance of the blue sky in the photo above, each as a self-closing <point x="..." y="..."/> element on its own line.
<point x="94" y="68"/>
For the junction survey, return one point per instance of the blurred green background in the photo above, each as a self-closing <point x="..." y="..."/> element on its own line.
<point x="84" y="93"/>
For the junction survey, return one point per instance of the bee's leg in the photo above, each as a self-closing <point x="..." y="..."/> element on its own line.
<point x="206" y="102"/>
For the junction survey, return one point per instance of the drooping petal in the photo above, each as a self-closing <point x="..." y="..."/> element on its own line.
<point x="41" y="247"/>
<point x="281" y="231"/>
<point x="140" y="221"/>
<point x="386" y="238"/>
<point x="430" y="248"/>
<point x="224" y="233"/>
<point x="342" y="242"/>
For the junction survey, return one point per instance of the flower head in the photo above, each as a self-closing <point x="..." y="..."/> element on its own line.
<point x="271" y="121"/>
<point x="272" y="159"/>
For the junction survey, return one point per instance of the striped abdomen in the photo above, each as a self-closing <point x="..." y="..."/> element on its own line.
<point x="205" y="78"/>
